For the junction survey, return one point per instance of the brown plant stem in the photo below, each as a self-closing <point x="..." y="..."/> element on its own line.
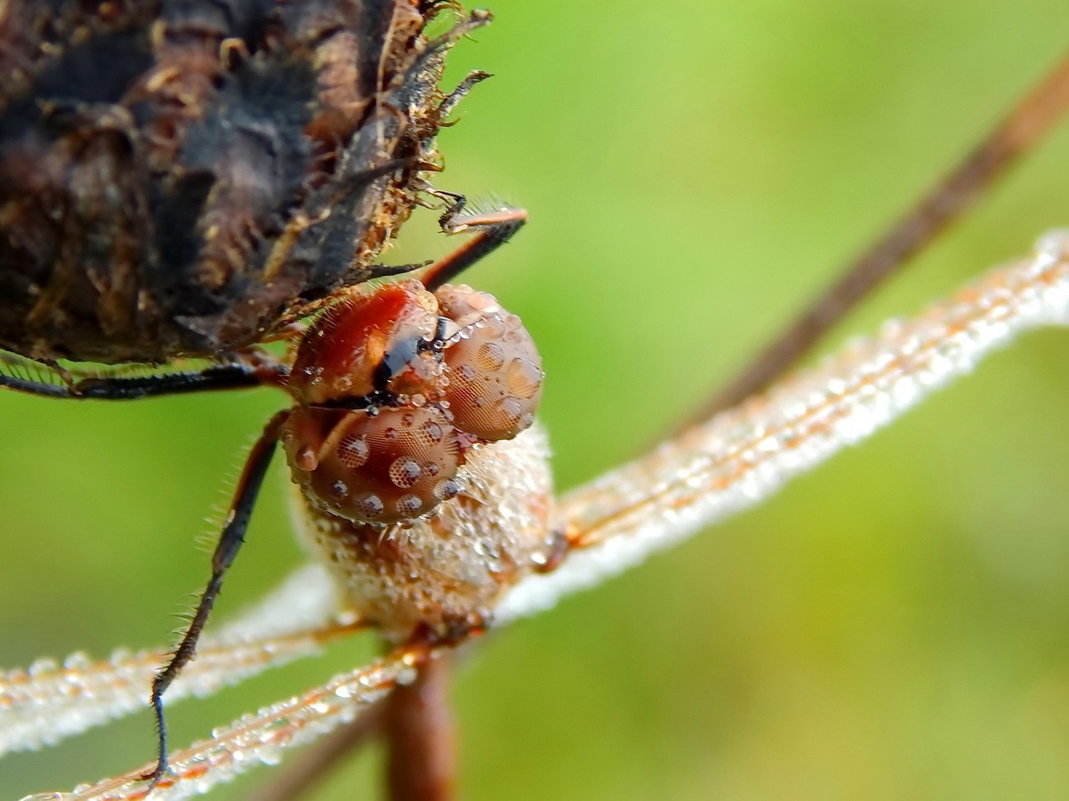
<point x="1027" y="122"/>
<point x="420" y="737"/>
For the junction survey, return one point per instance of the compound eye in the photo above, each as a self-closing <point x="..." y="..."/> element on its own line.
<point x="465" y="306"/>
<point x="493" y="369"/>
<point x="387" y="468"/>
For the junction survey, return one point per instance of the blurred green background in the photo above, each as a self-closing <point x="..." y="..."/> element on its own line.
<point x="895" y="625"/>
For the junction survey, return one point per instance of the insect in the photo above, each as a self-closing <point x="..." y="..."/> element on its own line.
<point x="205" y="183"/>
<point x="858" y="683"/>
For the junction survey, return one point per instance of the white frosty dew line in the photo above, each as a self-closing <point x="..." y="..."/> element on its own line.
<point x="259" y="738"/>
<point x="742" y="456"/>
<point x="49" y="701"/>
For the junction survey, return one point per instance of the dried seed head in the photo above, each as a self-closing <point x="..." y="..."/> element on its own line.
<point x="181" y="179"/>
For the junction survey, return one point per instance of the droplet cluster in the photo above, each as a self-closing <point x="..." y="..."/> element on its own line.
<point x="495" y="375"/>
<point x="397" y="464"/>
<point x="393" y="388"/>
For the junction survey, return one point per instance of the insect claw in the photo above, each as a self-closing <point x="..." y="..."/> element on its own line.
<point x="386" y="270"/>
<point x="445" y="108"/>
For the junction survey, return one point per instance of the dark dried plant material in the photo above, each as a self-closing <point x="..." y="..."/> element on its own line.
<point x="184" y="179"/>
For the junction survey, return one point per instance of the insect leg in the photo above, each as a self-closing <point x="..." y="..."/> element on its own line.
<point x="387" y="270"/>
<point x="493" y="229"/>
<point x="238" y="374"/>
<point x="226" y="549"/>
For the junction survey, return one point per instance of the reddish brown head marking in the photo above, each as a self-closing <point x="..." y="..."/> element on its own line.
<point x="339" y="355"/>
<point x="394" y="387"/>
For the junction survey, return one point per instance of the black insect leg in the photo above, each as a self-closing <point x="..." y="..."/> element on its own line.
<point x="239" y="374"/>
<point x="230" y="540"/>
<point x="492" y="229"/>
<point x="388" y="270"/>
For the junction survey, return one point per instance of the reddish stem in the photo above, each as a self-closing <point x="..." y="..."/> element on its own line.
<point x="421" y="737"/>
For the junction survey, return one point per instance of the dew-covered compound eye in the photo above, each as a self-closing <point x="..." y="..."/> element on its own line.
<point x="385" y="468"/>
<point x="394" y="387"/>
<point x="493" y="370"/>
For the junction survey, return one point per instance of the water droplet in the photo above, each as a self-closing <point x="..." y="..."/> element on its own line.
<point x="353" y="451"/>
<point x="490" y="356"/>
<point x="44" y="665"/>
<point x="523" y="377"/>
<point x="433" y="432"/>
<point x="77" y="661"/>
<point x="447" y="489"/>
<point x="306" y="459"/>
<point x="409" y="505"/>
<point x="368" y="505"/>
<point x="405" y="472"/>
<point x="510" y="409"/>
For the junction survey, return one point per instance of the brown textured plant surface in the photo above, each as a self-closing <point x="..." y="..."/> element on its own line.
<point x="179" y="179"/>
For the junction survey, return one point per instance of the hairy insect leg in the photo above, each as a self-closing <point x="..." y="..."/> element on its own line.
<point x="492" y="229"/>
<point x="230" y="540"/>
<point x="251" y="369"/>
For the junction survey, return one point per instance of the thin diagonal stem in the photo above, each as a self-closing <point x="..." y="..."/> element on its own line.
<point x="262" y="737"/>
<point x="946" y="202"/>
<point x="741" y="457"/>
<point x="313" y="766"/>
